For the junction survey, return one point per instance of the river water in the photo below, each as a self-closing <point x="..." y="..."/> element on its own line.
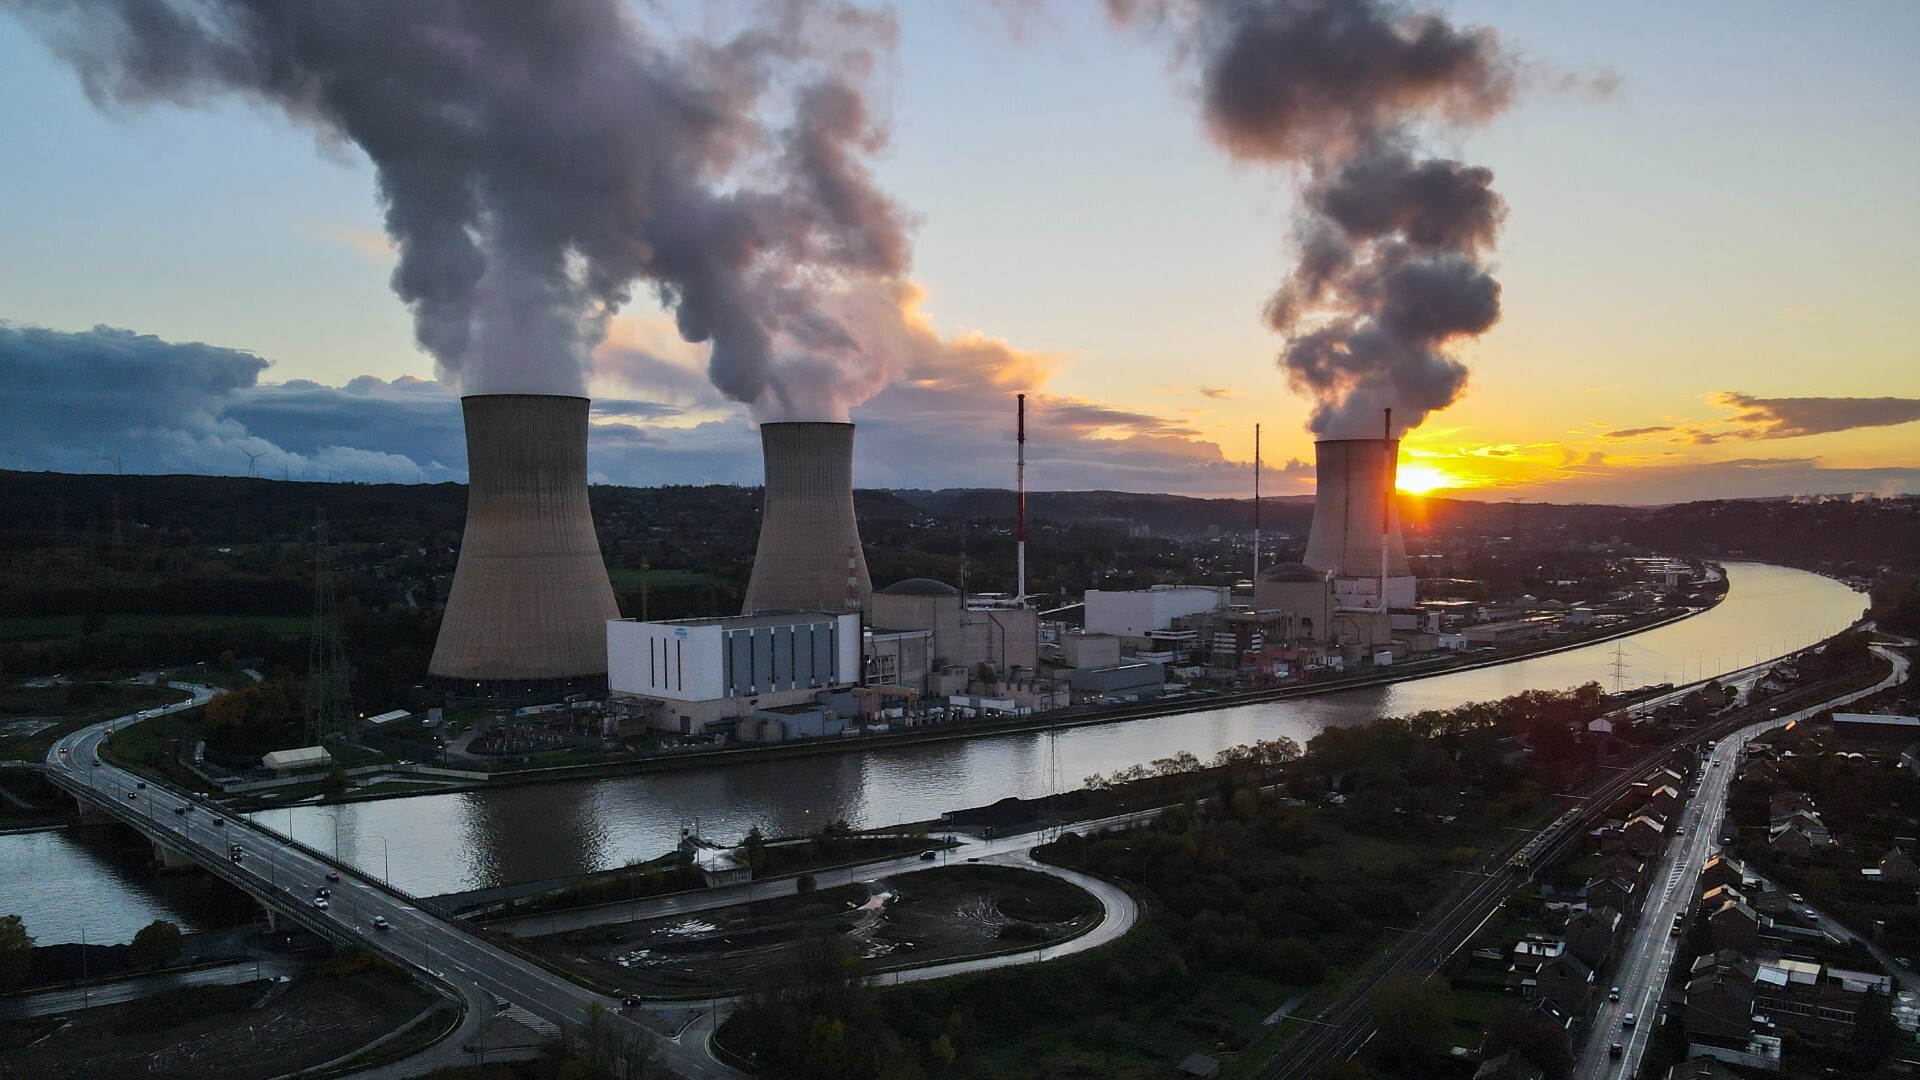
<point x="432" y="844"/>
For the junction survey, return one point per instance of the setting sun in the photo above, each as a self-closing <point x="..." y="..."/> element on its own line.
<point x="1416" y="479"/>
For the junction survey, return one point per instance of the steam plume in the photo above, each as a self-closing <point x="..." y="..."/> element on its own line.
<point x="1392" y="272"/>
<point x="537" y="160"/>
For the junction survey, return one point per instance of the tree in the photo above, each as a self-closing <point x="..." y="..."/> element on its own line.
<point x="1875" y="1035"/>
<point x="157" y="944"/>
<point x="1538" y="1039"/>
<point x="805" y="884"/>
<point x="16" y="952"/>
<point x="1413" y="1016"/>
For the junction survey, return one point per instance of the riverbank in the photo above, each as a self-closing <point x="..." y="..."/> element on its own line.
<point x="1057" y="720"/>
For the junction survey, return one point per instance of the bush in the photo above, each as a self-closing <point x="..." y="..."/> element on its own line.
<point x="156" y="945"/>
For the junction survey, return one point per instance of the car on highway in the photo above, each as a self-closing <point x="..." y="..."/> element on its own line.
<point x="631" y="1002"/>
<point x="96" y="763"/>
<point x="1796" y="898"/>
<point x="1628" y="1020"/>
<point x="1616" y="1050"/>
<point x="1613" y="994"/>
<point x="333" y="875"/>
<point x="926" y="856"/>
<point x="179" y="809"/>
<point x="320" y="902"/>
<point x="323" y="894"/>
<point x="380" y="923"/>
<point x="142" y="785"/>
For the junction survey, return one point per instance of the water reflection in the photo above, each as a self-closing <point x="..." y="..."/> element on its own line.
<point x="449" y="842"/>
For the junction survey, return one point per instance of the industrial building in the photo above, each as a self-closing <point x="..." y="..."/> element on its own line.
<point x="705" y="676"/>
<point x="530" y="597"/>
<point x="1134" y="615"/>
<point x="940" y="643"/>
<point x="809" y="557"/>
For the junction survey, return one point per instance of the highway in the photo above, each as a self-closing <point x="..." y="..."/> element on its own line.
<point x="1648" y="960"/>
<point x="287" y="877"/>
<point x="1347" y="1025"/>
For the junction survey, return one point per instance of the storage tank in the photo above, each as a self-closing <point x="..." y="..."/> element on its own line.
<point x="530" y="598"/>
<point x="809" y="558"/>
<point x="1354" y="490"/>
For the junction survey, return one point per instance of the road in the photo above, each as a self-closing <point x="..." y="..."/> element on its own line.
<point x="69" y="999"/>
<point x="1645" y="965"/>
<point x="1347" y="1025"/>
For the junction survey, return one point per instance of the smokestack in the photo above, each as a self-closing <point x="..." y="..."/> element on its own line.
<point x="809" y="558"/>
<point x="530" y="598"/>
<point x="1356" y="522"/>
<point x="1020" y="535"/>
<point x="1256" y="504"/>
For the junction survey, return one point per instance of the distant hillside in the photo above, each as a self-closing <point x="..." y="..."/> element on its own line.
<point x="1162" y="515"/>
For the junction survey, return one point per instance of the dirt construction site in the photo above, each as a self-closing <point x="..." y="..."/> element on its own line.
<point x="901" y="921"/>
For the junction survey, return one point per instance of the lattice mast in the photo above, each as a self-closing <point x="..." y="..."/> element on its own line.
<point x="329" y="711"/>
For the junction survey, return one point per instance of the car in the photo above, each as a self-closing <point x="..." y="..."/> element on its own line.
<point x="63" y="751"/>
<point x="1613" y="994"/>
<point x="219" y="823"/>
<point x="1796" y="898"/>
<point x="180" y="810"/>
<point x="630" y="1002"/>
<point x="320" y="902"/>
<point x="96" y="763"/>
<point x="1628" y="1020"/>
<point x="380" y="923"/>
<point x="132" y="795"/>
<point x="322" y="893"/>
<point x="1812" y="915"/>
<point x="1679" y="832"/>
<point x="926" y="856"/>
<point x="142" y="785"/>
<point x="333" y="875"/>
<point x="1616" y="1050"/>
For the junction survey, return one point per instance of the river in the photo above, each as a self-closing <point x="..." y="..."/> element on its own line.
<point x="439" y="843"/>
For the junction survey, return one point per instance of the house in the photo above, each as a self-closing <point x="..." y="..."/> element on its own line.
<point x="1719" y="896"/>
<point x="1642" y="835"/>
<point x="1736" y="926"/>
<point x="1784" y="804"/>
<point x="1531" y="953"/>
<point x="1701" y="1069"/>
<point x="1508" y="1066"/>
<point x="1619" y="893"/>
<point x="1198" y="1065"/>
<point x="1721" y="870"/>
<point x="1566" y="981"/>
<point x="1897" y="868"/>
<point x="1626" y="865"/>
<point x="1799" y="840"/>
<point x="1768" y="900"/>
<point x="1760" y="771"/>
<point x="1719" y="1006"/>
<point x="1664" y="800"/>
<point x="1563" y="899"/>
<point x="1591" y="935"/>
<point x="1802" y="996"/>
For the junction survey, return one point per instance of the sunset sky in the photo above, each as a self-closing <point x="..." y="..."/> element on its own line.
<point x="1709" y="271"/>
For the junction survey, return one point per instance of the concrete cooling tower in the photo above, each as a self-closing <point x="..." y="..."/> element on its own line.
<point x="530" y="598"/>
<point x="809" y="558"/>
<point x="1352" y="497"/>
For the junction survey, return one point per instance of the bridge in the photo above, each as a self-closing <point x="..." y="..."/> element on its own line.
<point x="285" y="878"/>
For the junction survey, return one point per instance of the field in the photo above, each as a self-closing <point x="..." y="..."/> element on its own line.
<point x="56" y="710"/>
<point x="53" y="627"/>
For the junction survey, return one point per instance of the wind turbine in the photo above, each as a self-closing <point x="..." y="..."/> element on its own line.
<point x="253" y="459"/>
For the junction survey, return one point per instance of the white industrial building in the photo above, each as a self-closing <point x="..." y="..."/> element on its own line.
<point x="693" y="676"/>
<point x="1135" y="614"/>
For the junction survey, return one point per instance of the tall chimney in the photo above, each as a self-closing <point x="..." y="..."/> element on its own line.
<point x="530" y="598"/>
<point x="809" y="558"/>
<point x="1020" y="534"/>
<point x="1256" y="505"/>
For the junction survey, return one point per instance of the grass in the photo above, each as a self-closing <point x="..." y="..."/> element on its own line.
<point x="50" y="627"/>
<point x="629" y="578"/>
<point x="102" y="701"/>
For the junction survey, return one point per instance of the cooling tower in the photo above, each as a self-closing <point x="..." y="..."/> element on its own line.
<point x="530" y="598"/>
<point x="1355" y="483"/>
<point x="809" y="558"/>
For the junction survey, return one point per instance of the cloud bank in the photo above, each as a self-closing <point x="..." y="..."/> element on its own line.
<point x="90" y="399"/>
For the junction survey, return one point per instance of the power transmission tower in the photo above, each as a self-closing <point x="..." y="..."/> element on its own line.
<point x="329" y="712"/>
<point x="1619" y="670"/>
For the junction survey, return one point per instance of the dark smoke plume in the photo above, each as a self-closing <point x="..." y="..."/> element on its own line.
<point x="537" y="159"/>
<point x="1392" y="270"/>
